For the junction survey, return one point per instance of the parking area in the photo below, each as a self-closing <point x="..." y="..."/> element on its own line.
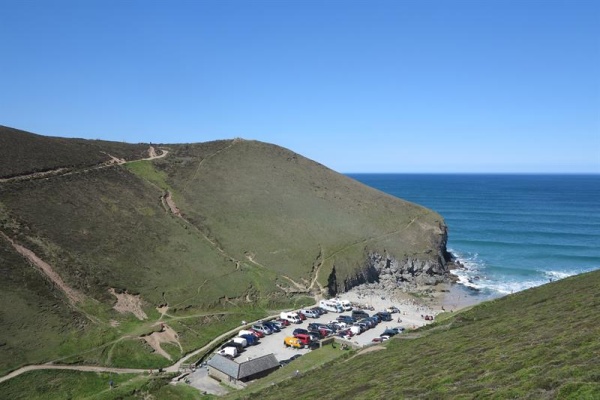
<point x="274" y="343"/>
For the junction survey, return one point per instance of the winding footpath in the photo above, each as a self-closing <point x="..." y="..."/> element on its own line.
<point x="93" y="368"/>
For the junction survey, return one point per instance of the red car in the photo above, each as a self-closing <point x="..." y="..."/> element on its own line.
<point x="284" y="322"/>
<point x="302" y="316"/>
<point x="257" y="333"/>
<point x="304" y="338"/>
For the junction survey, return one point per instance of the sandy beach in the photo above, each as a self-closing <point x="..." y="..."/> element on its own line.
<point x="413" y="309"/>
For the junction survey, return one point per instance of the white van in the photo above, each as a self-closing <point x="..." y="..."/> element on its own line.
<point x="241" y="341"/>
<point x="331" y="305"/>
<point x="346" y="305"/>
<point x="228" y="352"/>
<point x="245" y="332"/>
<point x="290" y="316"/>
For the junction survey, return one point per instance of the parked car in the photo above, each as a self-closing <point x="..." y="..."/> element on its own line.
<point x="304" y="338"/>
<point x="362" y="325"/>
<point x="359" y="314"/>
<point x="283" y="322"/>
<point x="314" y="325"/>
<point x="241" y="341"/>
<point x="321" y="310"/>
<point x="256" y="333"/>
<point x="346" y="334"/>
<point x="317" y="334"/>
<point x="251" y="339"/>
<point x="355" y="330"/>
<point x="325" y="332"/>
<point x="278" y="324"/>
<point x="291" y="317"/>
<point x="384" y="315"/>
<point x="299" y="331"/>
<point x="291" y="341"/>
<point x="398" y="329"/>
<point x="389" y="332"/>
<point x="340" y="325"/>
<point x="231" y="343"/>
<point x="310" y="313"/>
<point x="368" y="322"/>
<point x="262" y="328"/>
<point x="346" y="305"/>
<point x="229" y="352"/>
<point x="346" y="318"/>
<point x="271" y="325"/>
<point x="301" y="315"/>
<point x="392" y="310"/>
<point x="331" y="305"/>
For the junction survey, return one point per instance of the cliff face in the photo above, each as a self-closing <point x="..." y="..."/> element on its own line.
<point x="392" y="272"/>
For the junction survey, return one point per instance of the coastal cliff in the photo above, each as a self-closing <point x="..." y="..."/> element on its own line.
<point x="407" y="272"/>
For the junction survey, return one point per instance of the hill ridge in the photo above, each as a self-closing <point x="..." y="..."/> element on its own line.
<point x="230" y="226"/>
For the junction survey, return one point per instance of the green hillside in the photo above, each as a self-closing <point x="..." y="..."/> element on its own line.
<point x="543" y="343"/>
<point x="213" y="233"/>
<point x="27" y="153"/>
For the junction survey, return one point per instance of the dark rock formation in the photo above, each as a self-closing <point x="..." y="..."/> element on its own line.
<point x="389" y="273"/>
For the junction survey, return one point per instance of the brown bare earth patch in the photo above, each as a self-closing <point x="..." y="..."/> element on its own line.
<point x="165" y="335"/>
<point x="114" y="160"/>
<point x="162" y="310"/>
<point x="128" y="303"/>
<point x="73" y="295"/>
<point x="168" y="200"/>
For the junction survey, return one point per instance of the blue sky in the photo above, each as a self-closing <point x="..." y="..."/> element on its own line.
<point x="360" y="86"/>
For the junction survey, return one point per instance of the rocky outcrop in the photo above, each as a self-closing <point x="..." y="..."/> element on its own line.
<point x="389" y="273"/>
<point x="385" y="271"/>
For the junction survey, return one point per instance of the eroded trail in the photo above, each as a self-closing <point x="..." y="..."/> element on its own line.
<point x="64" y="171"/>
<point x="84" y="368"/>
<point x="73" y="295"/>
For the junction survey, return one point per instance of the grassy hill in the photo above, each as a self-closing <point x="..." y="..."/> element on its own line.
<point x="543" y="343"/>
<point x="213" y="232"/>
<point x="27" y="153"/>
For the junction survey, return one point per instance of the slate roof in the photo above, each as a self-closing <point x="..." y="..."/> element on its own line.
<point x="244" y="369"/>
<point x="224" y="365"/>
<point x="256" y="365"/>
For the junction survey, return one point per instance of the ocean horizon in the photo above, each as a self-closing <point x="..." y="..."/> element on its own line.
<point x="510" y="231"/>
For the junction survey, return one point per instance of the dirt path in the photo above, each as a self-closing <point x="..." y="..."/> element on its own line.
<point x="234" y="141"/>
<point x="169" y="203"/>
<point x="84" y="368"/>
<point x="73" y="295"/>
<point x="91" y="368"/>
<point x="62" y="171"/>
<point x="165" y="335"/>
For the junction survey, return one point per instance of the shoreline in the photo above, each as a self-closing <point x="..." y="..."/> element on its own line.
<point x="430" y="301"/>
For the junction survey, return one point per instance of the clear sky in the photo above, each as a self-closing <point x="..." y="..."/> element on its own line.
<point x="360" y="86"/>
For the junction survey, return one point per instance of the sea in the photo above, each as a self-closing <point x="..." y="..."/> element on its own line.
<point x="511" y="232"/>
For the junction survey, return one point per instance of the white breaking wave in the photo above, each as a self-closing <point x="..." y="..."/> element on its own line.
<point x="475" y="275"/>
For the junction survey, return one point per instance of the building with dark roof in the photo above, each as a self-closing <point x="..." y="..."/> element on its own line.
<point x="229" y="371"/>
